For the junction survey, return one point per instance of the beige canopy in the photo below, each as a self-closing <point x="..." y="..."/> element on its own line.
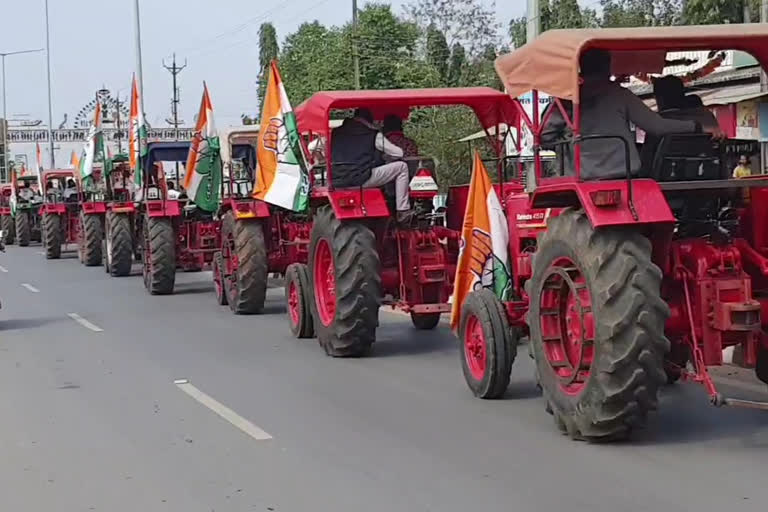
<point x="550" y="64"/>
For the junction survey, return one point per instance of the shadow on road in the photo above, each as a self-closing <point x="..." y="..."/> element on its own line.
<point x="181" y="289"/>
<point x="393" y="340"/>
<point x="15" y="324"/>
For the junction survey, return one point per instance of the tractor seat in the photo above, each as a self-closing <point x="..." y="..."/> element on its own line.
<point x="681" y="157"/>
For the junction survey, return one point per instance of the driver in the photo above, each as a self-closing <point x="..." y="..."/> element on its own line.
<point x="358" y="159"/>
<point x="393" y="131"/>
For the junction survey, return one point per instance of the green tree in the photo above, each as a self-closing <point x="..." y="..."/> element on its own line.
<point x="438" y="53"/>
<point x="641" y="13"/>
<point x="457" y="65"/>
<point x="555" y="14"/>
<point x="706" y="12"/>
<point x="268" y="51"/>
<point x="471" y="23"/>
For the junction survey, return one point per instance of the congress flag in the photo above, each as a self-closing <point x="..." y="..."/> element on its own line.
<point x="137" y="137"/>
<point x="202" y="177"/>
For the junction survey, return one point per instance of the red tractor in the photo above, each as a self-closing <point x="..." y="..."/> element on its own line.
<point x="7" y="223"/>
<point x="93" y="209"/>
<point x="119" y="244"/>
<point x="256" y="239"/>
<point x="360" y="258"/>
<point x="174" y="232"/>
<point x="624" y="284"/>
<point x="61" y="221"/>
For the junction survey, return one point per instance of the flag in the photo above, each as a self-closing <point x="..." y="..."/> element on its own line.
<point x="138" y="133"/>
<point x="23" y="169"/>
<point x="281" y="171"/>
<point x="483" y="256"/>
<point x="74" y="160"/>
<point x="39" y="167"/>
<point x="92" y="144"/>
<point x="12" y="199"/>
<point x="202" y="177"/>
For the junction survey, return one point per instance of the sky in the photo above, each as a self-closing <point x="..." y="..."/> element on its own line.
<point x="93" y="46"/>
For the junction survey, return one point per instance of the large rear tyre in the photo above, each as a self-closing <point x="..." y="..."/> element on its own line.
<point x="425" y="321"/>
<point x="91" y="237"/>
<point x="246" y="264"/>
<point x="159" y="256"/>
<point x="345" y="276"/>
<point x="9" y="230"/>
<point x="218" y="279"/>
<point x="119" y="246"/>
<point x="23" y="228"/>
<point x="596" y="321"/>
<point x="489" y="346"/>
<point x="52" y="236"/>
<point x="298" y="296"/>
<point x="761" y="369"/>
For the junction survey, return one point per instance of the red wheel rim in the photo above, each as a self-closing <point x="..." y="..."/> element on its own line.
<point x="324" y="279"/>
<point x="567" y="325"/>
<point x="475" y="351"/>
<point x="293" y="302"/>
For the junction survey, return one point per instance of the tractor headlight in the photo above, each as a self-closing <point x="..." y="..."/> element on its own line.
<point x="153" y="193"/>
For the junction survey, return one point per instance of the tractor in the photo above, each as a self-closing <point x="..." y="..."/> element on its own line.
<point x="175" y="233"/>
<point x="61" y="217"/>
<point x="119" y="245"/>
<point x="27" y="213"/>
<point x="7" y="223"/>
<point x="629" y="282"/>
<point x="359" y="256"/>
<point x="257" y="239"/>
<point x="93" y="209"/>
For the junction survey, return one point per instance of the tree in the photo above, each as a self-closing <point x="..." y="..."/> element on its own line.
<point x="438" y="52"/>
<point x="457" y="65"/>
<point x="706" y="12"/>
<point x="470" y="23"/>
<point x="268" y="50"/>
<point x="555" y="14"/>
<point x="641" y="13"/>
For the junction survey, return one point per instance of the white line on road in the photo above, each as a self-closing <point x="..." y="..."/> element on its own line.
<point x="223" y="411"/>
<point x="30" y="287"/>
<point x="3" y="269"/>
<point x="41" y="253"/>
<point x="85" y="323"/>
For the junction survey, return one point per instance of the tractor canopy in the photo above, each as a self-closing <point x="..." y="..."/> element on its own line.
<point x="239" y="143"/>
<point x="550" y="64"/>
<point x="166" y="152"/>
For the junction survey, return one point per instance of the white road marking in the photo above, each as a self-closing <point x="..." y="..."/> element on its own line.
<point x="222" y="410"/>
<point x="41" y="253"/>
<point x="30" y="287"/>
<point x="85" y="323"/>
<point x="3" y="269"/>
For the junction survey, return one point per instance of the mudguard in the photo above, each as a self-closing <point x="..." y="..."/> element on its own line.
<point x="163" y="208"/>
<point x="94" y="208"/>
<point x="358" y="203"/>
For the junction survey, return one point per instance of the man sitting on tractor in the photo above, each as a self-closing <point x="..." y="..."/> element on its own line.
<point x="358" y="158"/>
<point x="607" y="109"/>
<point x="393" y="131"/>
<point x="674" y="104"/>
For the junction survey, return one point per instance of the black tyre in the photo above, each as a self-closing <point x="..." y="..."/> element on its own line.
<point x="596" y="322"/>
<point x="344" y="270"/>
<point x="119" y="245"/>
<point x="104" y="260"/>
<point x="425" y="321"/>
<point x="159" y="255"/>
<point x="52" y="236"/>
<point x="23" y="228"/>
<point x="298" y="296"/>
<point x="489" y="346"/>
<point x="92" y="234"/>
<point x="246" y="286"/>
<point x="761" y="369"/>
<point x="218" y="279"/>
<point x="9" y="230"/>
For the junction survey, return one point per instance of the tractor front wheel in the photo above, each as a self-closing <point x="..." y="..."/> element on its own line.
<point x="119" y="245"/>
<point x="52" y="236"/>
<point x="23" y="229"/>
<point x="345" y="276"/>
<point x="761" y="369"/>
<point x="245" y="263"/>
<point x="159" y="262"/>
<point x="9" y="230"/>
<point x="489" y="345"/>
<point x="596" y="324"/>
<point x="91" y="235"/>
<point x="298" y="295"/>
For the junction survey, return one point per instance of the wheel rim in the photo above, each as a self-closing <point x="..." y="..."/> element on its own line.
<point x="293" y="302"/>
<point x="475" y="351"/>
<point x="567" y="325"/>
<point x="324" y="279"/>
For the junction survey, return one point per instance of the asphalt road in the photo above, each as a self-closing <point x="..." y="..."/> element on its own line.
<point x="93" y="419"/>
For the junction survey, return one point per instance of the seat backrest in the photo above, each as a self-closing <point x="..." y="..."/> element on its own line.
<point x="686" y="157"/>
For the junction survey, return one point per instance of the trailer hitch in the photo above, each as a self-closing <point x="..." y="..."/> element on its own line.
<point x="718" y="400"/>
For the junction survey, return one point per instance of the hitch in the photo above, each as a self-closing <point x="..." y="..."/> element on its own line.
<point x="718" y="400"/>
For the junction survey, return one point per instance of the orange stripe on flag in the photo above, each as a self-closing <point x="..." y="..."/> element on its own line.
<point x="271" y="118"/>
<point x="202" y="121"/>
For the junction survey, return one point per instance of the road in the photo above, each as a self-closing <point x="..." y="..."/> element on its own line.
<point x="92" y="418"/>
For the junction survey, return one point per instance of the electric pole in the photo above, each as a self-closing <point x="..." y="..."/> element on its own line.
<point x="175" y="70"/>
<point x="119" y="129"/>
<point x="355" y="46"/>
<point x="533" y="19"/>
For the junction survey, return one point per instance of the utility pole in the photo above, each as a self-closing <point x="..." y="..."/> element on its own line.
<point x="763" y="88"/>
<point x="48" y="64"/>
<point x="355" y="46"/>
<point x="533" y="18"/>
<point x="119" y="132"/>
<point x="175" y="70"/>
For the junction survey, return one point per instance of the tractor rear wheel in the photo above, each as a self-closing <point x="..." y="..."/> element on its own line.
<point x="344" y="272"/>
<point x="23" y="229"/>
<point x="298" y="296"/>
<point x="119" y="244"/>
<point x="425" y="321"/>
<point x="761" y="369"/>
<point x="52" y="236"/>
<point x="596" y="321"/>
<point x="246" y="264"/>
<point x="91" y="235"/>
<point x="489" y="345"/>
<point x="9" y="230"/>
<point x="218" y="279"/>
<point x="159" y="255"/>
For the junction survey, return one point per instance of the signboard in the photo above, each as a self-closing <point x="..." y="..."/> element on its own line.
<point x="746" y="120"/>
<point x="26" y="136"/>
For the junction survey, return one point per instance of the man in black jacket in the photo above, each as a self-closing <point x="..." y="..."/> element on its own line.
<point x="358" y="159"/>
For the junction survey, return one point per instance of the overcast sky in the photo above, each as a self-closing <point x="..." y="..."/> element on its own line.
<point x="92" y="46"/>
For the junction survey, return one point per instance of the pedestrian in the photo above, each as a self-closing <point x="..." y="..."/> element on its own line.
<point x="743" y="169"/>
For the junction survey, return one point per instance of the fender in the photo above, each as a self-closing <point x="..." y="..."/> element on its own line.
<point x="250" y="209"/>
<point x="649" y="202"/>
<point x="55" y="208"/>
<point x="366" y="203"/>
<point x="126" y="207"/>
<point x="163" y="208"/>
<point x="94" y="208"/>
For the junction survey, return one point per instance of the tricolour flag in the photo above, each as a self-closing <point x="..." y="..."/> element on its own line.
<point x="39" y="166"/>
<point x="483" y="257"/>
<point x="14" y="185"/>
<point x="281" y="172"/>
<point x="93" y="144"/>
<point x="202" y="178"/>
<point x="74" y="160"/>
<point x="137" y="138"/>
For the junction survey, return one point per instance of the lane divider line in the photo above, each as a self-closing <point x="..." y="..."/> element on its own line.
<point x="30" y="287"/>
<point x="85" y="323"/>
<point x="222" y="410"/>
<point x="3" y="269"/>
<point x="41" y="253"/>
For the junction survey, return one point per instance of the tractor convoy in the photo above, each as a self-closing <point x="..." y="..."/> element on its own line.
<point x="618" y="285"/>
